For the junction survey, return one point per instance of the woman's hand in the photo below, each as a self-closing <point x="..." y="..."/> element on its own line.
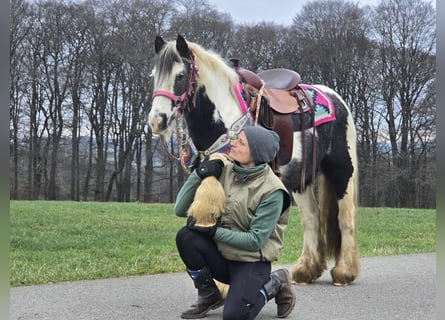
<point x="209" y="168"/>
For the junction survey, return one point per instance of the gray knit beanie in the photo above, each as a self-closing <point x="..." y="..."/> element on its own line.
<point x="263" y="143"/>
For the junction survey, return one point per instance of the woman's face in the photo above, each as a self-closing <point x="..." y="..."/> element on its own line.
<point x="240" y="151"/>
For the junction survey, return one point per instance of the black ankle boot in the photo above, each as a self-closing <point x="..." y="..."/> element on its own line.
<point x="209" y="297"/>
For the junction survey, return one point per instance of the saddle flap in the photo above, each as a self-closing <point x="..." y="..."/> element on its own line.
<point x="281" y="100"/>
<point x="283" y="125"/>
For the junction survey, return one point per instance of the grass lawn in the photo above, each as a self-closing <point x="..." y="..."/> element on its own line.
<point x="53" y="241"/>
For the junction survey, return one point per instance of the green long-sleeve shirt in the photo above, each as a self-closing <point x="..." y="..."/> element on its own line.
<point x="262" y="223"/>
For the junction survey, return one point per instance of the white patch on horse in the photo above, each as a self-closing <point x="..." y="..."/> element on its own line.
<point x="296" y="148"/>
<point x="228" y="106"/>
<point x="351" y="135"/>
<point x="297" y="152"/>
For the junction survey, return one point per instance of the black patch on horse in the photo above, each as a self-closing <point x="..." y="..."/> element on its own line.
<point x="337" y="164"/>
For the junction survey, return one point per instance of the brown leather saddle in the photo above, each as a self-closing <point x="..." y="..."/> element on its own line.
<point x="281" y="98"/>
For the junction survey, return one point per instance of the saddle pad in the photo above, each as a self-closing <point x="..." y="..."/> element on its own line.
<point x="323" y="106"/>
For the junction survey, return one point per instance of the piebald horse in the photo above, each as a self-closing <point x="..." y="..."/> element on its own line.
<point x="199" y="93"/>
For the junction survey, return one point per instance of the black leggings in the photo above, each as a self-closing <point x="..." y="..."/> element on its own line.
<point x="244" y="299"/>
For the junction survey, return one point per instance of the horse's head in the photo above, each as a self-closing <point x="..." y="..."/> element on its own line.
<point x="174" y="82"/>
<point x="209" y="107"/>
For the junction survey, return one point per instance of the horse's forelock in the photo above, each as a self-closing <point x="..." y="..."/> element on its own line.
<point x="165" y="61"/>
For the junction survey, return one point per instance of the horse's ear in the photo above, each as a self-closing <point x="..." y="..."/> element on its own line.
<point x="159" y="43"/>
<point x="182" y="47"/>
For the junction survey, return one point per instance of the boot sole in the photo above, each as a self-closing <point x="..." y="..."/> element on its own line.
<point x="204" y="313"/>
<point x="291" y="308"/>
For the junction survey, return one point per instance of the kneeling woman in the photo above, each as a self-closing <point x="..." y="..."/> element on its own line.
<point x="239" y="250"/>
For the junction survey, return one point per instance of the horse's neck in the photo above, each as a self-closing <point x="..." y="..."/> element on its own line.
<point x="203" y="128"/>
<point x="219" y="88"/>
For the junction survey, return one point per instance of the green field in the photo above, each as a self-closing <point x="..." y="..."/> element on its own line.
<point x="54" y="241"/>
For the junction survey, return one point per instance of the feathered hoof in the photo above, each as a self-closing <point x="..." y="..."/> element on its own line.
<point x="303" y="275"/>
<point x="342" y="276"/>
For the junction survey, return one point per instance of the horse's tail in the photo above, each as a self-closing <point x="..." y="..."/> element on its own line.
<point x="329" y="217"/>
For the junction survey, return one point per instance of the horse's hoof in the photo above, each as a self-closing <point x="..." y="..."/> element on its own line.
<point x="302" y="276"/>
<point x="340" y="284"/>
<point x="342" y="277"/>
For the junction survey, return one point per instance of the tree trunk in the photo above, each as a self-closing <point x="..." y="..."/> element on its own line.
<point x="86" y="185"/>
<point x="148" y="172"/>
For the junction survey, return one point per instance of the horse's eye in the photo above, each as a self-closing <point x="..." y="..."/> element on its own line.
<point x="180" y="76"/>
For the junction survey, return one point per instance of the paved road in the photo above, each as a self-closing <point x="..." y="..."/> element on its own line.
<point x="394" y="287"/>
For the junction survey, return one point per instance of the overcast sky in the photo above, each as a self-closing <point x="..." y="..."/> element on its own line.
<point x="278" y="11"/>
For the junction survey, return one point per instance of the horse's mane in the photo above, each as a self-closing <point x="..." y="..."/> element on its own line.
<point x="214" y="73"/>
<point x="209" y="60"/>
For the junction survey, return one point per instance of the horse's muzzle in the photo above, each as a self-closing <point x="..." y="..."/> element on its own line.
<point x="158" y="122"/>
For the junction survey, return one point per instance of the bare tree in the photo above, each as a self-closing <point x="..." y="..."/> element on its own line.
<point x="76" y="37"/>
<point x="19" y="30"/>
<point x="198" y="21"/>
<point x="260" y="47"/>
<point x="37" y="118"/>
<point x="405" y="31"/>
<point x="330" y="41"/>
<point x="57" y="64"/>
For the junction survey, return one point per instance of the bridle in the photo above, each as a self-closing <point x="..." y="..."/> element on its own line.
<point x="179" y="105"/>
<point x="180" y="102"/>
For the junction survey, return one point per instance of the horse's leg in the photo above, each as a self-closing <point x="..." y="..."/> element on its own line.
<point x="347" y="264"/>
<point x="338" y="190"/>
<point x="312" y="261"/>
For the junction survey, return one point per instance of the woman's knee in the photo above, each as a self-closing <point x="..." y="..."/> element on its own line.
<point x="181" y="235"/>
<point x="183" y="240"/>
<point x="188" y="241"/>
